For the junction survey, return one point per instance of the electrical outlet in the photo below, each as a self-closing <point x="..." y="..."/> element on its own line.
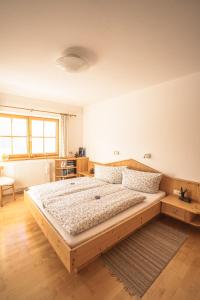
<point x="176" y="192"/>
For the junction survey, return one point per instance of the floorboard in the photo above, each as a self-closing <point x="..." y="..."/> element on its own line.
<point x="30" y="269"/>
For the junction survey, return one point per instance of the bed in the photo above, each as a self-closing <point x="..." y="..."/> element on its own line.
<point x="77" y="251"/>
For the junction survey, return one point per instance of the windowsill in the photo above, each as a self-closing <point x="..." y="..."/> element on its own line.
<point x="29" y="158"/>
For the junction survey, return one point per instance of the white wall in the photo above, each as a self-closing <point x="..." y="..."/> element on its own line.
<point x="163" y="120"/>
<point x="31" y="172"/>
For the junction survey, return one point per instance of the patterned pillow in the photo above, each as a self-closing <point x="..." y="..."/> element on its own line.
<point x="109" y="174"/>
<point x="141" y="181"/>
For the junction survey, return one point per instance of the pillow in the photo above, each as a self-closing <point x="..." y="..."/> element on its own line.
<point x="109" y="174"/>
<point x="141" y="181"/>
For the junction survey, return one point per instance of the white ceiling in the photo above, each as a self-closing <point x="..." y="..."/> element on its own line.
<point x="137" y="44"/>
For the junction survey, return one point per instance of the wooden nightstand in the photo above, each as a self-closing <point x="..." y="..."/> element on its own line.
<point x="186" y="212"/>
<point x="85" y="173"/>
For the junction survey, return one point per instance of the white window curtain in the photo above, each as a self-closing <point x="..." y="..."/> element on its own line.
<point x="64" y="124"/>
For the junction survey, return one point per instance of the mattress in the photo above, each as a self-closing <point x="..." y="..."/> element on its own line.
<point x="74" y="241"/>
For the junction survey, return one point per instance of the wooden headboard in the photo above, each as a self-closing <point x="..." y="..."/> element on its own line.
<point x="168" y="184"/>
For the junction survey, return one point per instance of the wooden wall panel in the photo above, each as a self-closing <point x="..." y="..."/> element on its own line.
<point x="168" y="184"/>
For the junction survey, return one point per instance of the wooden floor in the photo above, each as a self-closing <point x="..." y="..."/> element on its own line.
<point x="30" y="269"/>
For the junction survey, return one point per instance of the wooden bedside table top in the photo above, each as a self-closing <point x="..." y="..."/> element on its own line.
<point x="193" y="207"/>
<point x="85" y="173"/>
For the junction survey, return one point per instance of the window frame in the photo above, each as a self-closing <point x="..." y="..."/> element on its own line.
<point x="29" y="154"/>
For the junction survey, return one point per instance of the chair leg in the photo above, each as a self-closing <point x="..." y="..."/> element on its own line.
<point x="1" y="196"/>
<point x="13" y="187"/>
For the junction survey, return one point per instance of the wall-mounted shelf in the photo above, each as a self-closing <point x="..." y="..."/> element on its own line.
<point x="186" y="212"/>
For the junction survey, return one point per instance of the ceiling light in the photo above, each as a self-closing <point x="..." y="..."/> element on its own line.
<point x="73" y="63"/>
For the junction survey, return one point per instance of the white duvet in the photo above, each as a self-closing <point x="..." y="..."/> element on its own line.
<point x="83" y="210"/>
<point x="47" y="192"/>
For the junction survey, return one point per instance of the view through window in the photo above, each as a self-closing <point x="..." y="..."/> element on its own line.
<point x="22" y="136"/>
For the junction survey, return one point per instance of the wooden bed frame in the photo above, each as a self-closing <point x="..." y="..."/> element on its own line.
<point x="75" y="258"/>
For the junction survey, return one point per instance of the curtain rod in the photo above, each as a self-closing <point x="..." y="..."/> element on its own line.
<point x="38" y="110"/>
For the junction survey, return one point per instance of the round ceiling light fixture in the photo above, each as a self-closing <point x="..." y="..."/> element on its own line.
<point x="72" y="61"/>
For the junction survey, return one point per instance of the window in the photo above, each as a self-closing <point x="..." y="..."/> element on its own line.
<point x="22" y="136"/>
<point x="43" y="136"/>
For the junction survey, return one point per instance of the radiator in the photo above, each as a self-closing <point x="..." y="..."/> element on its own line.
<point x="29" y="172"/>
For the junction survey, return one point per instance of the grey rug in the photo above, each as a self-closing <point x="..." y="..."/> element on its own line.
<point x="138" y="260"/>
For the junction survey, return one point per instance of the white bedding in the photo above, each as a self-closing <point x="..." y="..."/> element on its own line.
<point x="83" y="210"/>
<point x="73" y="241"/>
<point x="47" y="192"/>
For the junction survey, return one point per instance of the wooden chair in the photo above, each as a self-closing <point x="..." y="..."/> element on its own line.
<point x="5" y="184"/>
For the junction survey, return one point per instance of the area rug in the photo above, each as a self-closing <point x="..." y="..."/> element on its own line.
<point x="138" y="260"/>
